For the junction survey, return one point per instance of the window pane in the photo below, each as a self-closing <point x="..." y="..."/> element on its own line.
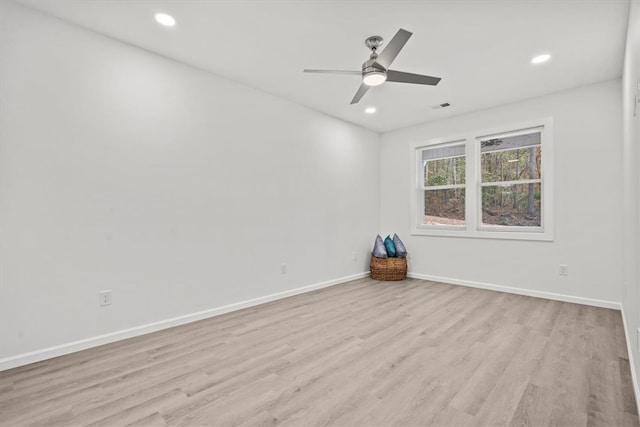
<point x="515" y="205"/>
<point x="444" y="207"/>
<point x="444" y="165"/>
<point x="511" y="165"/>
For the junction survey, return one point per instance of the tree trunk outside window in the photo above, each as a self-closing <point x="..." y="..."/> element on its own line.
<point x="532" y="175"/>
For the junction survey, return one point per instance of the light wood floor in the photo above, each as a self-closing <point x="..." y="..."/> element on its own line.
<point x="365" y="353"/>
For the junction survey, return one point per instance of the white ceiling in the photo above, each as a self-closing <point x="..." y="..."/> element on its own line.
<point x="481" y="49"/>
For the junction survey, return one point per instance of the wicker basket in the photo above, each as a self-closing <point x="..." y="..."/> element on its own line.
<point x="388" y="268"/>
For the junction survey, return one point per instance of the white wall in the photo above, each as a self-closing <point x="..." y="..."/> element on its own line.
<point x="588" y="196"/>
<point x="631" y="183"/>
<point x="178" y="190"/>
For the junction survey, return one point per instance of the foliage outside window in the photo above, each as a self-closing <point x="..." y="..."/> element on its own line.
<point x="486" y="184"/>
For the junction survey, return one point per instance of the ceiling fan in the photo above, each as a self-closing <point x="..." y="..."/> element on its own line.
<point x="376" y="70"/>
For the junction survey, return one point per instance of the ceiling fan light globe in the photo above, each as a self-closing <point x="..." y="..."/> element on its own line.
<point x="374" y="78"/>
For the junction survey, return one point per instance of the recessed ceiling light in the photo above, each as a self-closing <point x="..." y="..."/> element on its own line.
<point x="370" y="110"/>
<point x="540" y="59"/>
<point x="166" y="20"/>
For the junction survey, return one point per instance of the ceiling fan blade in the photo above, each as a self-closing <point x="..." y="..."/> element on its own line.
<point x="393" y="48"/>
<point x="348" y="72"/>
<point x="402" y="77"/>
<point x="360" y="93"/>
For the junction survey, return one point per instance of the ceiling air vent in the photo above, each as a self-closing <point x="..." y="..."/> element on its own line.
<point x="439" y="106"/>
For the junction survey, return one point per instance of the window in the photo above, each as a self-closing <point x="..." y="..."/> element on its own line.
<point x="510" y="167"/>
<point x="443" y="185"/>
<point x="494" y="184"/>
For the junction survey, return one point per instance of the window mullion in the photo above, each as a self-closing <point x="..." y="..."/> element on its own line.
<point x="473" y="171"/>
<point x="509" y="183"/>
<point x="443" y="187"/>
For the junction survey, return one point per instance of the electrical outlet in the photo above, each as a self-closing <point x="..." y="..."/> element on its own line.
<point x="105" y="297"/>
<point x="355" y="256"/>
<point x="283" y="268"/>
<point x="564" y="270"/>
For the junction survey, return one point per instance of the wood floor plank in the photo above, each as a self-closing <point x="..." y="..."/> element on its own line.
<point x="501" y="403"/>
<point x="534" y="407"/>
<point x="364" y="353"/>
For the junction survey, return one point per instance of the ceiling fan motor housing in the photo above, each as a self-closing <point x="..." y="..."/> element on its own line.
<point x="373" y="74"/>
<point x="371" y="66"/>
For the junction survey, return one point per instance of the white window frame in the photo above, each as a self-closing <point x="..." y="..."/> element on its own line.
<point x="473" y="189"/>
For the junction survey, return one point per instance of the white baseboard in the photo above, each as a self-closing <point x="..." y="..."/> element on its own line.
<point x="520" y="291"/>
<point x="60" y="350"/>
<point x="630" y="351"/>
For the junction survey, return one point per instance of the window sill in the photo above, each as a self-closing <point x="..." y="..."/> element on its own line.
<point x="544" y="236"/>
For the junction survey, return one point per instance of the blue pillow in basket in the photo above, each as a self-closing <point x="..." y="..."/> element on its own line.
<point x="379" y="250"/>
<point x="391" y="248"/>
<point x="401" y="250"/>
